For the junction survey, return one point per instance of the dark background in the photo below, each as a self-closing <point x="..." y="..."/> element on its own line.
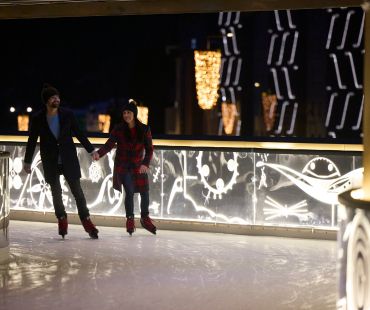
<point x="100" y="62"/>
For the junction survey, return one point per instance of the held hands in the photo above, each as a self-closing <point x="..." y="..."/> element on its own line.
<point x="143" y="169"/>
<point x="27" y="168"/>
<point x="95" y="156"/>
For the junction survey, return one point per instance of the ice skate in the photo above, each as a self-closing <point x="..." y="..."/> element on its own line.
<point x="130" y="225"/>
<point x="90" y="228"/>
<point x="147" y="223"/>
<point x="63" y="226"/>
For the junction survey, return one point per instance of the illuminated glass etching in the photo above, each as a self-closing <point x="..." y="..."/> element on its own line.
<point x="210" y="185"/>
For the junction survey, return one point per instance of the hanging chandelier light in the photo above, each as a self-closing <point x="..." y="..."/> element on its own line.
<point x="104" y="123"/>
<point x="269" y="104"/>
<point x="23" y="121"/>
<point x="207" y="77"/>
<point x="228" y="116"/>
<point x="142" y="111"/>
<point x="142" y="114"/>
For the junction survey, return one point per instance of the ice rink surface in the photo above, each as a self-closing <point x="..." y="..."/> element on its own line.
<point x="170" y="271"/>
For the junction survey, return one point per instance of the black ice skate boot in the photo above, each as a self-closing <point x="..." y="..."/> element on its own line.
<point x="90" y="228"/>
<point x="130" y="225"/>
<point x="147" y="223"/>
<point x="63" y="226"/>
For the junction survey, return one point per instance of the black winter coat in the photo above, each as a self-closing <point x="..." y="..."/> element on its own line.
<point x="50" y="147"/>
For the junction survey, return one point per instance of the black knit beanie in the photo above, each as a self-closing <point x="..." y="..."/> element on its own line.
<point x="47" y="92"/>
<point x="130" y="106"/>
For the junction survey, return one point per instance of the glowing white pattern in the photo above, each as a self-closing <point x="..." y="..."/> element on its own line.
<point x="263" y="179"/>
<point x="156" y="174"/>
<point x="311" y="167"/>
<point x="279" y="210"/>
<point x="187" y="189"/>
<point x="106" y="188"/>
<point x="95" y="172"/>
<point x="15" y="167"/>
<point x="221" y="188"/>
<point x="180" y="186"/>
<point x="322" y="190"/>
<point x="40" y="191"/>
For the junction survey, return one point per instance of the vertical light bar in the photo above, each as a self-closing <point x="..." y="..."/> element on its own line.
<point x="229" y="70"/>
<point x="282" y="48"/>
<point x="337" y="72"/>
<point x="290" y="21"/>
<point x="366" y="120"/>
<point x="276" y="83"/>
<point x="330" y="33"/>
<point x="294" y="48"/>
<point x="271" y="49"/>
<point x="281" y="120"/>
<point x="237" y="18"/>
<point x="330" y="108"/>
<point x="220" y="17"/>
<point x="287" y="79"/>
<point x="344" y="113"/>
<point x="357" y="126"/>
<point x="224" y="42"/>
<point x="361" y="32"/>
<point x="228" y="20"/>
<point x="277" y="18"/>
<point x="294" y="117"/>
<point x="237" y="74"/>
<point x="355" y="80"/>
<point x="232" y="95"/>
<point x="233" y="40"/>
<point x="344" y="37"/>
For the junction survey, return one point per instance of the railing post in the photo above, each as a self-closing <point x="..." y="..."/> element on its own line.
<point x="4" y="206"/>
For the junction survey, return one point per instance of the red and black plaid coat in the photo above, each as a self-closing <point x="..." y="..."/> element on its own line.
<point x="130" y="155"/>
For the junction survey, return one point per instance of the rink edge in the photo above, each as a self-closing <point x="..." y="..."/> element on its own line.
<point x="185" y="225"/>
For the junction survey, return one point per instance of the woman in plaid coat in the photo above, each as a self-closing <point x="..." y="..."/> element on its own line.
<point x="131" y="164"/>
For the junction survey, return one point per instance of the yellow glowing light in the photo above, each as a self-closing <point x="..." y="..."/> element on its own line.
<point x="256" y="84"/>
<point x="207" y="77"/>
<point x="269" y="104"/>
<point x="142" y="114"/>
<point x="23" y="121"/>
<point x="228" y="116"/>
<point x="104" y="122"/>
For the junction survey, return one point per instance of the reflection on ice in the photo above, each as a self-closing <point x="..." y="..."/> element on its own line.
<point x="173" y="270"/>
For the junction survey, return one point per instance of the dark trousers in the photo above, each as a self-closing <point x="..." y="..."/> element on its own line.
<point x="75" y="187"/>
<point x="128" y="185"/>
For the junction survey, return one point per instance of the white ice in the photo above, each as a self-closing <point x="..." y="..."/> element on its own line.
<point x="172" y="270"/>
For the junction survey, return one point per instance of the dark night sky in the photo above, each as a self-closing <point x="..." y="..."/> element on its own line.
<point x="95" y="59"/>
<point x="100" y="60"/>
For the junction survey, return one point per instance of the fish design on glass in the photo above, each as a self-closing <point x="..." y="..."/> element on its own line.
<point x="322" y="185"/>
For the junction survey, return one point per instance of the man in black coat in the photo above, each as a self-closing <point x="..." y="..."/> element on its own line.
<point x="55" y="127"/>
